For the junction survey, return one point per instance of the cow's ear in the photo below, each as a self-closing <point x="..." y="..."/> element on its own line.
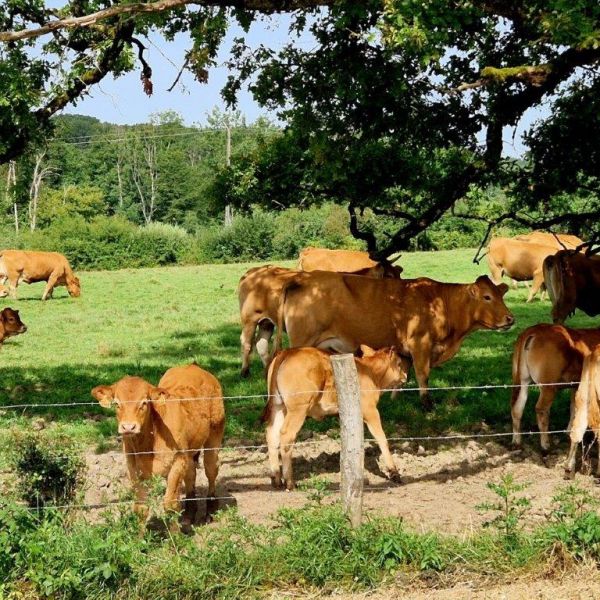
<point x="366" y="350"/>
<point x="158" y="396"/>
<point x="104" y="394"/>
<point x="502" y="288"/>
<point x="474" y="289"/>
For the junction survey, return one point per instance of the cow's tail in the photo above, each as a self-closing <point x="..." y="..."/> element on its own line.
<point x="271" y="386"/>
<point x="281" y="317"/>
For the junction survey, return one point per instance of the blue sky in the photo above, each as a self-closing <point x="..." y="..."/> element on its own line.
<point x="123" y="101"/>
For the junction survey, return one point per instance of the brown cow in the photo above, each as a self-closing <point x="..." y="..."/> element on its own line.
<point x="585" y="410"/>
<point x="573" y="281"/>
<point x="165" y="427"/>
<point x="258" y="293"/>
<point x="546" y="354"/>
<point x="521" y="261"/>
<point x="300" y="370"/>
<point x="560" y="241"/>
<point x="425" y="319"/>
<point x="346" y="261"/>
<point x="10" y="324"/>
<point x="25" y="266"/>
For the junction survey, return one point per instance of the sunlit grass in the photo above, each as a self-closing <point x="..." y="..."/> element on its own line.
<point x="145" y="321"/>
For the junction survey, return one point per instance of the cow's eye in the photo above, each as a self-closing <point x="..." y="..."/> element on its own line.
<point x="487" y="297"/>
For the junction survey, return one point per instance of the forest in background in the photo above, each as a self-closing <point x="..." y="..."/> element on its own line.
<point x="112" y="196"/>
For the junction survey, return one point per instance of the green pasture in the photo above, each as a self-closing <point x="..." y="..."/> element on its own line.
<point x="147" y="320"/>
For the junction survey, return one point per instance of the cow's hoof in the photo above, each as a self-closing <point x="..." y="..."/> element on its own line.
<point x="290" y="486"/>
<point x="276" y="483"/>
<point x="394" y="477"/>
<point x="596" y="480"/>
<point x="569" y="474"/>
<point x="245" y="373"/>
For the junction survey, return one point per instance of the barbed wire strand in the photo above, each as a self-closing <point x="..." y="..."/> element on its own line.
<point x="305" y="392"/>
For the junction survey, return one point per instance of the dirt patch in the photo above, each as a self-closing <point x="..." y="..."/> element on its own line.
<point x="441" y="485"/>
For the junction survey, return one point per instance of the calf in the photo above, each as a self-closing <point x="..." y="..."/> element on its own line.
<point x="10" y="324"/>
<point x="546" y="354"/>
<point x="18" y="266"/>
<point x="586" y="409"/>
<point x="309" y="370"/>
<point x="165" y="427"/>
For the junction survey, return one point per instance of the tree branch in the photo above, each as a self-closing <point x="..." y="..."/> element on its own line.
<point x="366" y="236"/>
<point x="265" y="6"/>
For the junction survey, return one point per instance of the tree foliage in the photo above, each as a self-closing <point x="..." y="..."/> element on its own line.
<point x="401" y="106"/>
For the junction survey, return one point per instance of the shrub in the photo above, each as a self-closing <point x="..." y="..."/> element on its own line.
<point x="49" y="467"/>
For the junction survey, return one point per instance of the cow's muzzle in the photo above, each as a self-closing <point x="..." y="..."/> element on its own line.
<point x="508" y="323"/>
<point x="129" y="428"/>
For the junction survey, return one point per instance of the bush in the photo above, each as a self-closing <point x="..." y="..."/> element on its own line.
<point x="49" y="467"/>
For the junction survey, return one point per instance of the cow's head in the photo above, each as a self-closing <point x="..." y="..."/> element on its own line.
<point x="486" y="304"/>
<point x="73" y="286"/>
<point x="134" y="399"/>
<point x="390" y="270"/>
<point x="3" y="291"/>
<point x="391" y="368"/>
<point x="559" y="277"/>
<point x="11" y="322"/>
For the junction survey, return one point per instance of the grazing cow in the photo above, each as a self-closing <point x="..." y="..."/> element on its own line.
<point x="546" y="354"/>
<point x="585" y="410"/>
<point x="10" y="324"/>
<point x="521" y="261"/>
<point x="425" y="319"/>
<point x="299" y="370"/>
<point x="573" y="281"/>
<point x="346" y="261"/>
<point x="163" y="430"/>
<point x="560" y="241"/>
<point x="258" y="293"/>
<point x="18" y="266"/>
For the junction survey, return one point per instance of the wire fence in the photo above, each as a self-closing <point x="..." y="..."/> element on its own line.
<point x="265" y="396"/>
<point x="303" y="443"/>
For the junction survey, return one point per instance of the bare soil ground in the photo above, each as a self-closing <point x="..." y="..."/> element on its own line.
<point x="441" y="485"/>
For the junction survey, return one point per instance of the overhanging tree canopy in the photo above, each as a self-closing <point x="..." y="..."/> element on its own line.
<point x="400" y="107"/>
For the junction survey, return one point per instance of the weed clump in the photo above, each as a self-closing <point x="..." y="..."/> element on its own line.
<point x="48" y="466"/>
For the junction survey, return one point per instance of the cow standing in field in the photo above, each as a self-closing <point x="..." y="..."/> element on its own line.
<point x="10" y="324"/>
<point x="546" y="354"/>
<point x="258" y="293"/>
<point x="165" y="427"/>
<point x="345" y="261"/>
<point x="519" y="260"/>
<point x="21" y="266"/>
<point x="573" y="281"/>
<point x="301" y="384"/>
<point x="585" y="410"/>
<point x="560" y="241"/>
<point x="424" y="319"/>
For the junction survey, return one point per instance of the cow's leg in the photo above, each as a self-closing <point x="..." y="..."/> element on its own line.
<point x="52" y="281"/>
<point x="246" y="341"/>
<point x="291" y="426"/>
<point x="372" y="418"/>
<point x="538" y="281"/>
<point x="13" y="282"/>
<point x="274" y="425"/>
<point x="263" y="337"/>
<point x="174" y="479"/>
<point x="211" y="465"/>
<point x="517" y="406"/>
<point x="140" y="491"/>
<point x="578" y="427"/>
<point x="542" y="411"/>
<point x="189" y="483"/>
<point x="422" y="365"/>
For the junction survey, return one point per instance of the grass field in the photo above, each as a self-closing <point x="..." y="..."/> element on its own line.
<point x="144" y="321"/>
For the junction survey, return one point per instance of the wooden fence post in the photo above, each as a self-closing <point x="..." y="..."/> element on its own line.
<point x="352" y="455"/>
